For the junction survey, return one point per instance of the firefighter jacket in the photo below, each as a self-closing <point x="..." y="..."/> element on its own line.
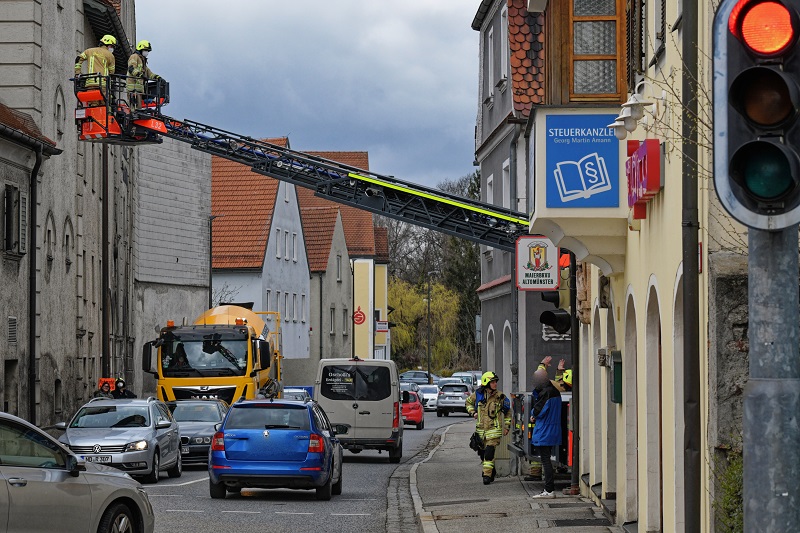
<point x="100" y="61"/>
<point x="494" y="412"/>
<point x="138" y="72"/>
<point x="547" y="416"/>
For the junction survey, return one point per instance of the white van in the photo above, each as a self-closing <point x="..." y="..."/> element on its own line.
<point x="364" y="396"/>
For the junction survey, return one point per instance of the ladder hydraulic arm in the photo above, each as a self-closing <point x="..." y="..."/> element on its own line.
<point x="422" y="206"/>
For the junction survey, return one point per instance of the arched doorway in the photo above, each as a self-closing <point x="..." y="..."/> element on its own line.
<point x="654" y="484"/>
<point x="677" y="361"/>
<point x="506" y="370"/>
<point x="628" y="506"/>
<point x="610" y="475"/>
<point x="490" y="362"/>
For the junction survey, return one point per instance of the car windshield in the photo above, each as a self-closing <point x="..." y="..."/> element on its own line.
<point x="268" y="416"/>
<point x="214" y="355"/>
<point x="195" y="412"/>
<point x="430" y="389"/>
<point x="356" y="382"/>
<point x="111" y="416"/>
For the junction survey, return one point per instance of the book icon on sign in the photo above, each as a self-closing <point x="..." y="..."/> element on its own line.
<point x="583" y="178"/>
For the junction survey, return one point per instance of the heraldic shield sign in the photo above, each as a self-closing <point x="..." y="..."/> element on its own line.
<point x="537" y="264"/>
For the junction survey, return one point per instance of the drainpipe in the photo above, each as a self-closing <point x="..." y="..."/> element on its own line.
<point x="691" y="315"/>
<point x="514" y="292"/>
<point x="106" y="357"/>
<point x="32" y="370"/>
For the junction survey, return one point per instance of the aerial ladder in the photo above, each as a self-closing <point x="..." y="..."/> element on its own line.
<point x="104" y="114"/>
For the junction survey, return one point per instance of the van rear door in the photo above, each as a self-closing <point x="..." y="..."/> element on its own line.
<point x="336" y="394"/>
<point x="376" y="403"/>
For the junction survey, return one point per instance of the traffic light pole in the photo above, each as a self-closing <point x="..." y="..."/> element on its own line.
<point x="771" y="426"/>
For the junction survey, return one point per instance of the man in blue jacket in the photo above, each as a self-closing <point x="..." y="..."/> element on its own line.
<point x="546" y="415"/>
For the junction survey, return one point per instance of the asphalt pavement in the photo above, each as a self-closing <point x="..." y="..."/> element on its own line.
<point x="448" y="495"/>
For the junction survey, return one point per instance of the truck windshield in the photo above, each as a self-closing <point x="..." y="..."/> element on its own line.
<point x="204" y="357"/>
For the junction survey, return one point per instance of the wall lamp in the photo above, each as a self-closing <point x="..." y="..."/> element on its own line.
<point x="633" y="110"/>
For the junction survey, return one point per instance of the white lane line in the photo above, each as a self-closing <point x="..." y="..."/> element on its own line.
<point x="243" y="512"/>
<point x="165" y="495"/>
<point x="287" y="512"/>
<point x="183" y="511"/>
<point x="359" y="499"/>
<point x="182" y="484"/>
<point x="350" y="514"/>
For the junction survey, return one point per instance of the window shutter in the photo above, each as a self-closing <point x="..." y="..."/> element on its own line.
<point x="23" y="223"/>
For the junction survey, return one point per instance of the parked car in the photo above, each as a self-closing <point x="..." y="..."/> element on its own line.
<point x="197" y="419"/>
<point x="137" y="436"/>
<point x="290" y="393"/>
<point x="468" y="377"/>
<point x="275" y="444"/>
<point x="47" y="487"/>
<point x="452" y="398"/>
<point x="409" y="386"/>
<point x="418" y="376"/>
<point x="430" y="394"/>
<point x="413" y="412"/>
<point x="443" y="381"/>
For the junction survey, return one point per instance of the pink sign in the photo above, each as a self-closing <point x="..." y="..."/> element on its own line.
<point x="643" y="169"/>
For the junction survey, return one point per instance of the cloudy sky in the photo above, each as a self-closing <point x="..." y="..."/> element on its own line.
<point x="396" y="78"/>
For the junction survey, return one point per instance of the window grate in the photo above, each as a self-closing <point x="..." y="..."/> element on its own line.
<point x="12" y="330"/>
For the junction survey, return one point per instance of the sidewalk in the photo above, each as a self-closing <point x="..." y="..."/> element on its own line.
<point x="449" y="496"/>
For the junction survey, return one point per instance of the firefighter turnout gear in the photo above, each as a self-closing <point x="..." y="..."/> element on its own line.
<point x="138" y="74"/>
<point x="99" y="60"/>
<point x="492" y="411"/>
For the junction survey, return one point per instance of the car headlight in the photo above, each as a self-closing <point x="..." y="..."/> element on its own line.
<point x="202" y="440"/>
<point x="136" y="446"/>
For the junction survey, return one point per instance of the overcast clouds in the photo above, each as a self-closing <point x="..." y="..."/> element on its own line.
<point x="396" y="78"/>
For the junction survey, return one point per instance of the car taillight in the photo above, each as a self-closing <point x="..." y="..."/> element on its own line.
<point x="218" y="442"/>
<point x="441" y="393"/>
<point x="465" y="394"/>
<point x="396" y="418"/>
<point x="316" y="444"/>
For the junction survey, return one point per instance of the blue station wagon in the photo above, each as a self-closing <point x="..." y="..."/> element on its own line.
<point x="275" y="444"/>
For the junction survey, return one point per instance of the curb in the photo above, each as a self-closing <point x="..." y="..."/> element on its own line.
<point x="425" y="521"/>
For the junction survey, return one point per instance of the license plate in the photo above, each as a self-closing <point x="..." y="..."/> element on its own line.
<point x="98" y="458"/>
<point x="184" y="449"/>
<point x="454" y="397"/>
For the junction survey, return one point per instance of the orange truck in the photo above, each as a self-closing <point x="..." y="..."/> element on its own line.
<point x="228" y="353"/>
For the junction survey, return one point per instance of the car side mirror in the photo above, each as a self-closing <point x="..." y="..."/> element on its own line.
<point x="217" y="426"/>
<point x="74" y="465"/>
<point x="163" y="424"/>
<point x="60" y="425"/>
<point x="406" y="397"/>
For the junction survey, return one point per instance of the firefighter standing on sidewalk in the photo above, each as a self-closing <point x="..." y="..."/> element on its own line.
<point x="492" y="412"/>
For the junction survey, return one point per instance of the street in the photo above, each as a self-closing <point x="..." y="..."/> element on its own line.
<point x="184" y="504"/>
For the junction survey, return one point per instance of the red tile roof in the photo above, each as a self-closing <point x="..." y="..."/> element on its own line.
<point x="381" y="244"/>
<point x="244" y="202"/>
<point x="23" y="123"/>
<point x="318" y="226"/>
<point x="526" y="44"/>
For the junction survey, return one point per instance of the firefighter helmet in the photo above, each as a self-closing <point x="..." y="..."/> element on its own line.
<point x="108" y="40"/>
<point x="120" y="383"/>
<point x="567" y="377"/>
<point x="488" y="377"/>
<point x="143" y="45"/>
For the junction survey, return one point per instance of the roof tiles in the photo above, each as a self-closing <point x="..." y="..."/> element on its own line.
<point x="526" y="45"/>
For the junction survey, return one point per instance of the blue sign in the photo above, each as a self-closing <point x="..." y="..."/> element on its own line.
<point x="582" y="161"/>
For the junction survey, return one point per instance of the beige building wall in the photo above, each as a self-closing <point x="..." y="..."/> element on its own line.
<point x="363" y="302"/>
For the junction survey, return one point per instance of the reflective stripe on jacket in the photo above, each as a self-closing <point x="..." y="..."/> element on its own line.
<point x="493" y="412"/>
<point x="100" y="61"/>
<point x="138" y="71"/>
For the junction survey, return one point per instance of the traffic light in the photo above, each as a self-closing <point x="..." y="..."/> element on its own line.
<point x="560" y="318"/>
<point x="756" y="103"/>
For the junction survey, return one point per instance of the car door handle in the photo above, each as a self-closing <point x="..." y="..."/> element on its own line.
<point x="17" y="481"/>
<point x="363" y="412"/>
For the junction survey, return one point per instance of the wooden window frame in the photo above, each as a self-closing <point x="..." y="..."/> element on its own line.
<point x="619" y="38"/>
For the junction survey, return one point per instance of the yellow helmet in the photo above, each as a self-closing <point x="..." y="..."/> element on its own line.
<point x="567" y="377"/>
<point x="143" y="45"/>
<point x="488" y="377"/>
<point x="108" y="40"/>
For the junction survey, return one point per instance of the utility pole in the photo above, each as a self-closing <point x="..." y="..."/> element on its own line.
<point x="429" y="322"/>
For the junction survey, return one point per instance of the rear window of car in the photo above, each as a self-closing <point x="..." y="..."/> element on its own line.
<point x="454" y="387"/>
<point x="268" y="416"/>
<point x="429" y="388"/>
<point x="356" y="382"/>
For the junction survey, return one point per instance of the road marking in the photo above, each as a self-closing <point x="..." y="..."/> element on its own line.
<point x="243" y="512"/>
<point x="359" y="499"/>
<point x="165" y="495"/>
<point x="183" y="511"/>
<point x="181" y="484"/>
<point x="287" y="512"/>
<point x="350" y="514"/>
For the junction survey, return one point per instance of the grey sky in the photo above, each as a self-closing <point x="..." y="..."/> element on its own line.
<point x="397" y="78"/>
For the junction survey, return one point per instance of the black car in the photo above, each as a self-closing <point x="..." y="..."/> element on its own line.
<point x="196" y="419"/>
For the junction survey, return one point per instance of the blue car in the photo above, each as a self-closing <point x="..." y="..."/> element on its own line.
<point x="275" y="444"/>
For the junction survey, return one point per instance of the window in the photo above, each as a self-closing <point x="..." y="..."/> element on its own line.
<point x="21" y="446"/>
<point x="490" y="74"/>
<point x="661" y="31"/>
<point x="356" y="382"/>
<point x="594" y="50"/>
<point x="635" y="44"/>
<point x="504" y="49"/>
<point x="338" y="268"/>
<point x="286" y="306"/>
<point x="286" y="244"/>
<point x="294" y="247"/>
<point x="506" y="184"/>
<point x="15" y="220"/>
<point x="345" y="321"/>
<point x="278" y="243"/>
<point x="490" y="190"/>
<point x="333" y="320"/>
<point x="278" y="302"/>
<point x="285" y="192"/>
<point x="303" y="307"/>
<point x="267" y="299"/>
<point x="294" y="307"/>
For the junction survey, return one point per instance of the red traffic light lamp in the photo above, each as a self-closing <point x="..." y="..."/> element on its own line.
<point x="756" y="103"/>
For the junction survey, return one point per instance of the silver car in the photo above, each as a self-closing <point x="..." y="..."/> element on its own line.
<point x="139" y="437"/>
<point x="452" y="398"/>
<point x="45" y="487"/>
<point x="430" y="395"/>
